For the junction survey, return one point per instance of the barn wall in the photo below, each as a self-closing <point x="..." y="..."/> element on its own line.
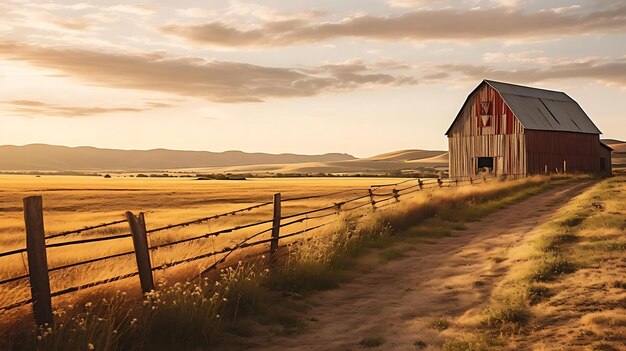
<point x="508" y="149"/>
<point x="605" y="153"/>
<point x="502" y="137"/>
<point x="581" y="152"/>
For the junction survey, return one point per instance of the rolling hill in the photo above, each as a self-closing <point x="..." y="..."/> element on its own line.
<point x="41" y="157"/>
<point x="397" y="160"/>
<point x="619" y="154"/>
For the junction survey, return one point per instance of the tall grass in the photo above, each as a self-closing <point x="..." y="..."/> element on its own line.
<point x="568" y="242"/>
<point x="195" y="314"/>
<point x="186" y="314"/>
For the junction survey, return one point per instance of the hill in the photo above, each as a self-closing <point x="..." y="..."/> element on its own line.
<point x="619" y="154"/>
<point x="42" y="157"/>
<point x="397" y="160"/>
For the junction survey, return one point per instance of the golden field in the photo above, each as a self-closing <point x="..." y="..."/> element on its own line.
<point x="73" y="202"/>
<point x="189" y="307"/>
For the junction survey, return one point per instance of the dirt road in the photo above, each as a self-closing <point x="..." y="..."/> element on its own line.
<point x="452" y="278"/>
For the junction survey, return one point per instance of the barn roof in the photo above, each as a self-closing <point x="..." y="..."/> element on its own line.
<point x="540" y="109"/>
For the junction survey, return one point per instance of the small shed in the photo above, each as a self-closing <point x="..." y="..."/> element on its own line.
<point x="507" y="129"/>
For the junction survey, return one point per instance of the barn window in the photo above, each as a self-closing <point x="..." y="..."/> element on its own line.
<point x="484" y="164"/>
<point x="485" y="121"/>
<point x="485" y="108"/>
<point x="485" y="114"/>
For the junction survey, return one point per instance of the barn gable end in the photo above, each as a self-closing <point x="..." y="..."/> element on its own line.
<point x="516" y="130"/>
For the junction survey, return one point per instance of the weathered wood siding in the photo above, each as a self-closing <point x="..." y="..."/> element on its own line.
<point x="605" y="153"/>
<point x="502" y="137"/>
<point x="550" y="149"/>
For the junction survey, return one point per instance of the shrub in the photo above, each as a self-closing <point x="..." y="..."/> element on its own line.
<point x="372" y="342"/>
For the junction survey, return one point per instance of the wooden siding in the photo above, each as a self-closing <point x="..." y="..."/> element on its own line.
<point x="502" y="138"/>
<point x="502" y="119"/>
<point x="508" y="151"/>
<point x="581" y="152"/>
<point x="605" y="153"/>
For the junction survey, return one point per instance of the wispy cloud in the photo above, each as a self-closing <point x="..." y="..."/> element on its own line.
<point x="609" y="72"/>
<point x="37" y="109"/>
<point x="216" y="81"/>
<point x="448" y="24"/>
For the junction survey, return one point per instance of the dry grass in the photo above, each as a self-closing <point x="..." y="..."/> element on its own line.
<point x="317" y="264"/>
<point x="566" y="281"/>
<point x="75" y="202"/>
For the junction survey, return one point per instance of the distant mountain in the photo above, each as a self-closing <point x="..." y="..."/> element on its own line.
<point x="42" y="157"/>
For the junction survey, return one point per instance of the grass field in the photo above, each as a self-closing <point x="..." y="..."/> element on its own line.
<point x="73" y="202"/>
<point x="566" y="290"/>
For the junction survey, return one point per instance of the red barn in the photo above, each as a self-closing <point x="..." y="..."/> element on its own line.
<point x="507" y="129"/>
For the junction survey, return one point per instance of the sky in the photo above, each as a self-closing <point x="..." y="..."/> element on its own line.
<point x="361" y="77"/>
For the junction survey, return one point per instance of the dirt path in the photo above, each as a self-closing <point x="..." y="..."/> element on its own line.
<point x="452" y="278"/>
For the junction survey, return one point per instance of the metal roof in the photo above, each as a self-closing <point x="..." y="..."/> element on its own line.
<point x="540" y="109"/>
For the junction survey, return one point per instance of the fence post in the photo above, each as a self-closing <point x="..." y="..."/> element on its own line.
<point x="420" y="183"/>
<point x="140" y="242"/>
<point x="440" y="182"/>
<point x="396" y="195"/>
<point x="372" y="201"/>
<point x="275" y="226"/>
<point x="37" y="260"/>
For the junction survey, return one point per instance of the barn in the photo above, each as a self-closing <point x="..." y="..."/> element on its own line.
<point x="506" y="129"/>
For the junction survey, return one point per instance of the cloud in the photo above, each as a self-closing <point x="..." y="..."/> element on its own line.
<point x="410" y="3"/>
<point x="37" y="108"/>
<point x="70" y="24"/>
<point x="216" y="81"/>
<point x="134" y="9"/>
<point x="447" y="24"/>
<point x="194" y="12"/>
<point x="36" y="18"/>
<point x="612" y="73"/>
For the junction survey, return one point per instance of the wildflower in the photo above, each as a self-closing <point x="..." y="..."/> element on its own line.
<point x="88" y="304"/>
<point x="217" y="316"/>
<point x="90" y="346"/>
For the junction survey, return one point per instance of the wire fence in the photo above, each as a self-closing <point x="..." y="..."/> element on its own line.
<point x="377" y="196"/>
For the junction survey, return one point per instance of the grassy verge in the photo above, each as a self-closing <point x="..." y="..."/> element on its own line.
<point x="200" y="313"/>
<point x="579" y="236"/>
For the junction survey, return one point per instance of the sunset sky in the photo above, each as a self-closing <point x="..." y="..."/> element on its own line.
<point x="362" y="77"/>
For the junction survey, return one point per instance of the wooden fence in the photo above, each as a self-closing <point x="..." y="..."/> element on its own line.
<point x="38" y="275"/>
